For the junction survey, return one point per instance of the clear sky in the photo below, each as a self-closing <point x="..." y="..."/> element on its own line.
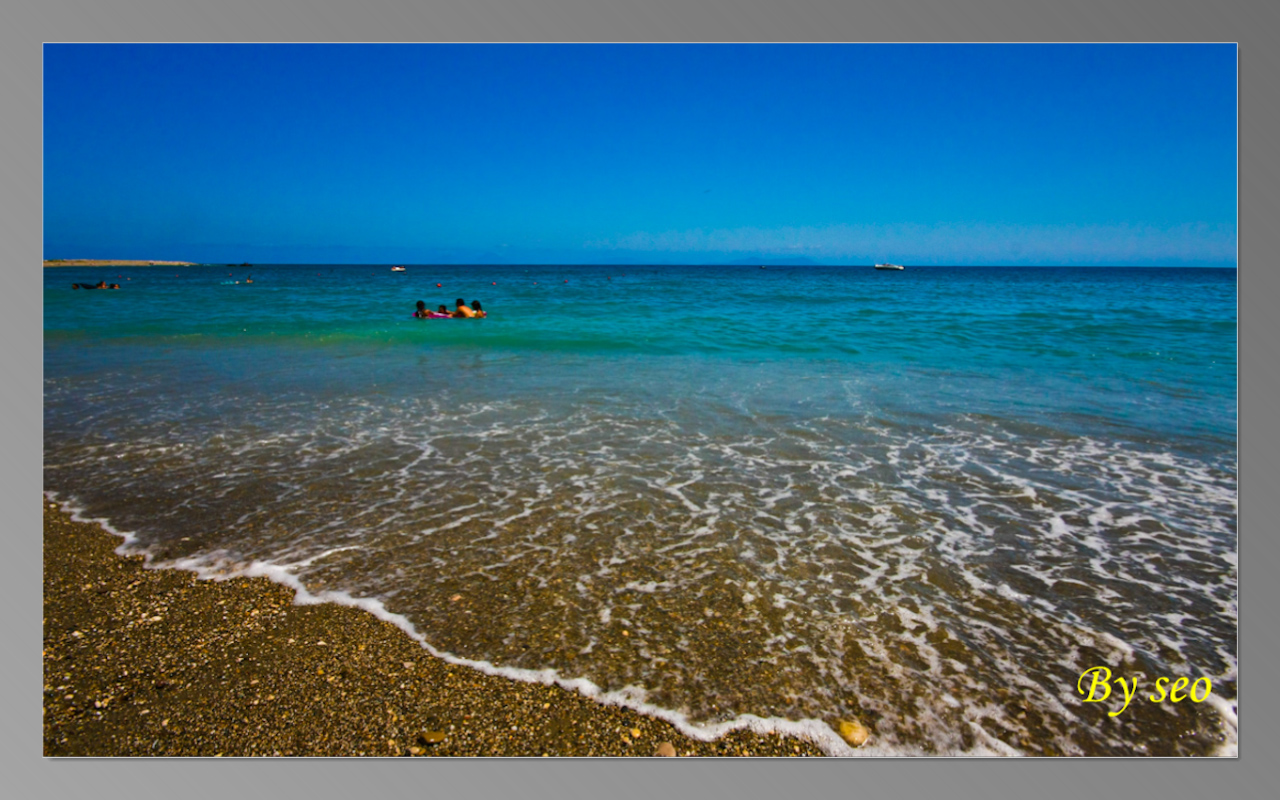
<point x="839" y="154"/>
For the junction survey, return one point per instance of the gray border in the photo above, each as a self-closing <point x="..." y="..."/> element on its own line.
<point x="648" y="20"/>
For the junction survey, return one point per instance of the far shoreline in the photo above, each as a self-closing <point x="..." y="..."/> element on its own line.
<point x="112" y="262"/>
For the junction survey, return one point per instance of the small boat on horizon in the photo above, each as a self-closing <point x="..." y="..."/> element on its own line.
<point x="397" y="268"/>
<point x="889" y="266"/>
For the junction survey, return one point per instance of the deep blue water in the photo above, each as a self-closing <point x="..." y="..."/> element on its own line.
<point x="1005" y="461"/>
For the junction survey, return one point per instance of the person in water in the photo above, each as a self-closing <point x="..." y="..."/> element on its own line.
<point x="423" y="313"/>
<point x="475" y="306"/>
<point x="462" y="309"/>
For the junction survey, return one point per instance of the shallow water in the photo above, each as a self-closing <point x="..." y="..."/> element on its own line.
<point x="928" y="499"/>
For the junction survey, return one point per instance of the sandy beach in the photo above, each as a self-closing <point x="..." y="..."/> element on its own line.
<point x="145" y="662"/>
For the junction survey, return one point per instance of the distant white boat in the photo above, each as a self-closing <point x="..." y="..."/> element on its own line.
<point x="401" y="269"/>
<point x="889" y="266"/>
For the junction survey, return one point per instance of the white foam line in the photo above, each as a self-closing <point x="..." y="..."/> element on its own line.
<point x="129" y="537"/>
<point x="1227" y="710"/>
<point x="632" y="697"/>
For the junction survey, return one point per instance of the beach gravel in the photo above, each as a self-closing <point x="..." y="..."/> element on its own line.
<point x="142" y="662"/>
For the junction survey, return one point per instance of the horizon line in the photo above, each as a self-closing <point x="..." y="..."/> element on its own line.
<point x="745" y="265"/>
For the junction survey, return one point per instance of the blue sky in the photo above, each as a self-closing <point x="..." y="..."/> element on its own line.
<point x="924" y="154"/>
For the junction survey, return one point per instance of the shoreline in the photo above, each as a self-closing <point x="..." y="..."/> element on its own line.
<point x="151" y="662"/>
<point x="107" y="262"/>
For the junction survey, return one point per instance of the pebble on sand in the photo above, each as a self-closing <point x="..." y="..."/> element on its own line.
<point x="852" y="732"/>
<point x="666" y="750"/>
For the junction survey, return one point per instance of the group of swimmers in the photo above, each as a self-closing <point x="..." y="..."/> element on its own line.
<point x="462" y="311"/>
<point x="101" y="285"/>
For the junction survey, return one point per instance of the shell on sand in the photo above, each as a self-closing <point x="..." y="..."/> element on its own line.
<point x="852" y="731"/>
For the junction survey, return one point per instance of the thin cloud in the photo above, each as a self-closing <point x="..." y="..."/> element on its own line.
<point x="980" y="243"/>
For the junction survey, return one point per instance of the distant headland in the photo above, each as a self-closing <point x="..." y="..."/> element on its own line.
<point x="112" y="262"/>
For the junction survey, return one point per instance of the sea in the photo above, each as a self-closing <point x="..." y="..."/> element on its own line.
<point x="775" y="497"/>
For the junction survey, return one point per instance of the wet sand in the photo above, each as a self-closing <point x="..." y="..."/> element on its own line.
<point x="145" y="662"/>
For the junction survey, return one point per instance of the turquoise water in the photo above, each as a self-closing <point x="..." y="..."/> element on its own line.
<point x="923" y="498"/>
